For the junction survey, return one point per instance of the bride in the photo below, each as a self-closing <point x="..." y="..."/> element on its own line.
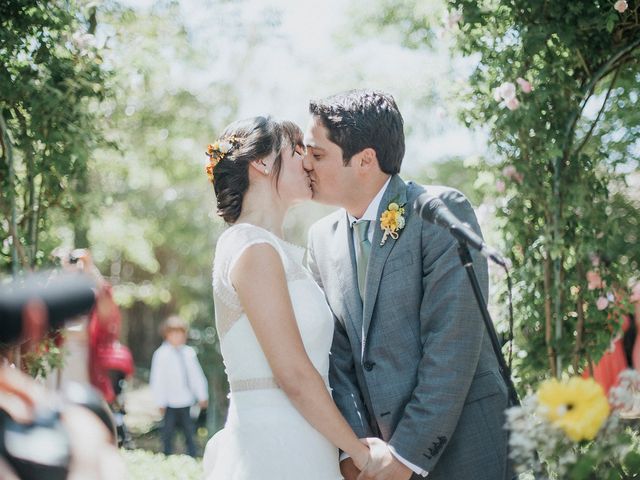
<point x="274" y="325"/>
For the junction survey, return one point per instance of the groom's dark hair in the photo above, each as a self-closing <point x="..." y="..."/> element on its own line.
<point x="360" y="119"/>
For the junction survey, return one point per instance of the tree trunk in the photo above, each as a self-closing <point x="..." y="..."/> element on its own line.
<point x="8" y="152"/>
<point x="551" y="354"/>
<point x="579" y="346"/>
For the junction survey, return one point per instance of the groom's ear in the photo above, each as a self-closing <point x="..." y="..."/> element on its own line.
<point x="366" y="159"/>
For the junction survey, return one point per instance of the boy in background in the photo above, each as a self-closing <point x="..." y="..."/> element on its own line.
<point x="177" y="382"/>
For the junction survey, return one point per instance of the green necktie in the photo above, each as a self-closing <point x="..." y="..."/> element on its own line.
<point x="363" y="249"/>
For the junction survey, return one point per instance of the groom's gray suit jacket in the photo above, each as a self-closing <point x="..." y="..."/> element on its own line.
<point x="412" y="363"/>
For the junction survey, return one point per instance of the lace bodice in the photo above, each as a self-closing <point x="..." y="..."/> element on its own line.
<point x="245" y="363"/>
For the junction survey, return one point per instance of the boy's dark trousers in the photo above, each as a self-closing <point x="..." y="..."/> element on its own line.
<point x="178" y="418"/>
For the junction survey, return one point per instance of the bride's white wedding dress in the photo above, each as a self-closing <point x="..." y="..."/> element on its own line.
<point x="265" y="437"/>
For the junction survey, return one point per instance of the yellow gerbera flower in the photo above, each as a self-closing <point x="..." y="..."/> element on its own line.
<point x="389" y="220"/>
<point x="578" y="406"/>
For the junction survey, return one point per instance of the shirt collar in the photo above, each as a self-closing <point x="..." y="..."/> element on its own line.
<point x="371" y="213"/>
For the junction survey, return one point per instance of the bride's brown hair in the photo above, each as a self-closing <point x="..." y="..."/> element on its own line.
<point x="254" y="138"/>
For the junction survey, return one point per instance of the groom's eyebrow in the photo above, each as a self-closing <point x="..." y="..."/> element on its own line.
<point x="314" y="146"/>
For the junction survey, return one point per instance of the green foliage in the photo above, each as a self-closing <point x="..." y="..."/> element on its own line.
<point x="562" y="163"/>
<point x="51" y="82"/>
<point x="559" y="154"/>
<point x="413" y="19"/>
<point x="153" y="226"/>
<point x="632" y="462"/>
<point x="462" y="174"/>
<point x="46" y="356"/>
<point x="144" y="465"/>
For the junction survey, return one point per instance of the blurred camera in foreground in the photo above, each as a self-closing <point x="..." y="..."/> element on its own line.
<point x="57" y="297"/>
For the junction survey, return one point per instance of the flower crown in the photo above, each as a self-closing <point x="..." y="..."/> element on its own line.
<point x="218" y="151"/>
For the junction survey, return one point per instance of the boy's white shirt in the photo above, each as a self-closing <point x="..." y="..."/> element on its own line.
<point x="167" y="380"/>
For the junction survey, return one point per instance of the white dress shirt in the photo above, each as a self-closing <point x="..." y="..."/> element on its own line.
<point x="169" y="384"/>
<point x="371" y="214"/>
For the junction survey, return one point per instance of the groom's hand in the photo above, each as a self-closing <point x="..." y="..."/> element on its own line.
<point x="348" y="469"/>
<point x="383" y="465"/>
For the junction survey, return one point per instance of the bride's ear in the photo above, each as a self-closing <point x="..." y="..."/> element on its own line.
<point x="261" y="166"/>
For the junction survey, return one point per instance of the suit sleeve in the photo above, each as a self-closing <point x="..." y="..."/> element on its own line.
<point x="342" y="373"/>
<point x="452" y="332"/>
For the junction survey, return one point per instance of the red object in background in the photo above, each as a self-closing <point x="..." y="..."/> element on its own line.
<point x="106" y="353"/>
<point x="614" y="361"/>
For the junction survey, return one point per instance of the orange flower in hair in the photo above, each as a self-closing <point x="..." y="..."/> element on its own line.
<point x="218" y="151"/>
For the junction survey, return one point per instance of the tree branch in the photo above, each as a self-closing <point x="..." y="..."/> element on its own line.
<point x="604" y="104"/>
<point x="588" y="91"/>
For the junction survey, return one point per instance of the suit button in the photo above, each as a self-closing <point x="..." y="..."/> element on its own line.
<point x="368" y="366"/>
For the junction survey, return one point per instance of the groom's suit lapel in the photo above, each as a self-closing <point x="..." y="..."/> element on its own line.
<point x="347" y="274"/>
<point x="396" y="192"/>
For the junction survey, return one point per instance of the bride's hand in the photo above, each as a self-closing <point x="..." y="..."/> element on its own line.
<point x="362" y="457"/>
<point x="378" y="451"/>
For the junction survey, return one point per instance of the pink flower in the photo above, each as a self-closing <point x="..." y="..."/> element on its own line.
<point x="500" y="186"/>
<point x="496" y="94"/>
<point x="509" y="171"/>
<point x="594" y="280"/>
<point x="513" y="104"/>
<point x="602" y="303"/>
<point x="595" y="260"/>
<point x="524" y="85"/>
<point x="621" y="6"/>
<point x="512" y="174"/>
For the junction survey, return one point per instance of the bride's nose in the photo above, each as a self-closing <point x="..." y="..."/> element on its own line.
<point x="306" y="162"/>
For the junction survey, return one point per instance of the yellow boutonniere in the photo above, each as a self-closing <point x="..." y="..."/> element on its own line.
<point x="392" y="221"/>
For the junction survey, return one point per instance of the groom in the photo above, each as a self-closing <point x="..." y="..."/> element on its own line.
<point x="411" y="362"/>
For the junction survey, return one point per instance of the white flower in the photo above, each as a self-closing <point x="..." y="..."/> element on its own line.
<point x="630" y="379"/>
<point x="82" y="40"/>
<point x="224" y="146"/>
<point x="621" y="6"/>
<point x="401" y="222"/>
<point x="621" y="398"/>
<point x="602" y="303"/>
<point x="507" y="91"/>
<point x="451" y="19"/>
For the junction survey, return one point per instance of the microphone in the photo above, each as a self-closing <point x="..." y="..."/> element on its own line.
<point x="433" y="210"/>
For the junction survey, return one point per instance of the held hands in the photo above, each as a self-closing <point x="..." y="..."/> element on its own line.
<point x="382" y="465"/>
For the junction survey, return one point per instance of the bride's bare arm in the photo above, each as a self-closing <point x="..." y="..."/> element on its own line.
<point x="259" y="279"/>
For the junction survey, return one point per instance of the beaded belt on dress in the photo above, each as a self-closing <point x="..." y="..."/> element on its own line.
<point x="259" y="384"/>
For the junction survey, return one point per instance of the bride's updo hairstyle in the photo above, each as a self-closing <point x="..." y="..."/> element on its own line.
<point x="241" y="143"/>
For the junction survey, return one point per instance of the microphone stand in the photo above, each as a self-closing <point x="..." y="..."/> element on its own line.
<point x="467" y="263"/>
